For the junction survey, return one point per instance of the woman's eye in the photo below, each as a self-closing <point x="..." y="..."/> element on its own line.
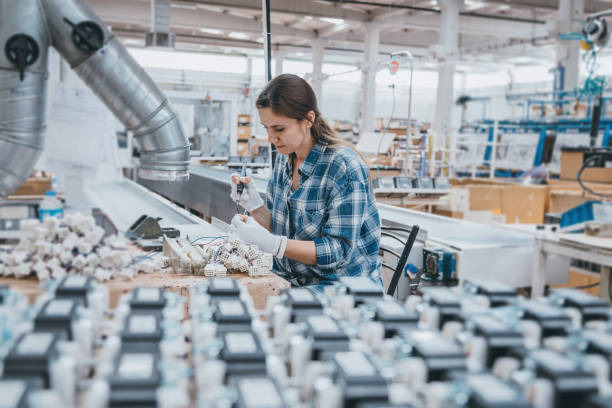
<point x="280" y="129"/>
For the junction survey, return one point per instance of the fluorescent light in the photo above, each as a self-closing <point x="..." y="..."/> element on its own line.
<point x="212" y="31"/>
<point x="239" y="36"/>
<point x="332" y="20"/>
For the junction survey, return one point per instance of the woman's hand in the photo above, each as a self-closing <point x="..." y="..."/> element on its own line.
<point x="250" y="199"/>
<point x="249" y="231"/>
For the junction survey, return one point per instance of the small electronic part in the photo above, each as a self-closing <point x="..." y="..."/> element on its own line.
<point x="14" y="394"/>
<point x="135" y="380"/>
<point x="590" y="307"/>
<point x="394" y="317"/>
<point x="598" y="342"/>
<point x="552" y="320"/>
<point x="141" y="333"/>
<point x="488" y="391"/>
<point x="500" y="338"/>
<point x="302" y="303"/>
<point x="258" y="392"/>
<point x="497" y="293"/>
<point x="223" y="288"/>
<point x="572" y="383"/>
<point x="441" y="355"/>
<point x="243" y="354"/>
<point x="231" y="315"/>
<point x="327" y="336"/>
<point x="360" y="379"/>
<point x="445" y="302"/>
<point x="361" y="288"/>
<point x="31" y="358"/>
<point x="147" y="300"/>
<point x="57" y="316"/>
<point x="438" y="265"/>
<point x="75" y="287"/>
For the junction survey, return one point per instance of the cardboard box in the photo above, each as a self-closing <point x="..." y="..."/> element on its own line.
<point x="34" y="186"/>
<point x="524" y="204"/>
<point x="446" y="213"/>
<point x="571" y="162"/>
<point x="485" y="198"/>
<point x="244" y="119"/>
<point x="243" y="132"/>
<point x="242" y="149"/>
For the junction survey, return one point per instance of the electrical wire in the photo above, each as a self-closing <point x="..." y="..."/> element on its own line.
<point x="214" y="238"/>
<point x="584" y="187"/>
<point x="592" y="285"/>
<point x="385" y="132"/>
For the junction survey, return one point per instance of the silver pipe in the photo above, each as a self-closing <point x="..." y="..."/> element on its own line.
<point x="22" y="103"/>
<point x="125" y="88"/>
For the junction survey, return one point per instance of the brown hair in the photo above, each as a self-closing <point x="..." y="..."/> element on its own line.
<point x="291" y="96"/>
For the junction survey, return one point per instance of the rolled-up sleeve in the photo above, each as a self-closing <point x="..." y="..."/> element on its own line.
<point x="345" y="215"/>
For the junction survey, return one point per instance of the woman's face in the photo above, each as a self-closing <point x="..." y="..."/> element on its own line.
<point x="287" y="134"/>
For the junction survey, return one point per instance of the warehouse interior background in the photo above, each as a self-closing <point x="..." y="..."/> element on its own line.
<point x="486" y="127"/>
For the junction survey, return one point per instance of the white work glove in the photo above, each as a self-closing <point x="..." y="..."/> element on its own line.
<point x="250" y="198"/>
<point x="251" y="232"/>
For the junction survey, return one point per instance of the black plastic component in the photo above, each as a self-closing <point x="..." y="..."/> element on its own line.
<point x="14" y="393"/>
<point x="552" y="320"/>
<point x="590" y="307"/>
<point x="3" y="293"/>
<point x="327" y="337"/>
<point x="360" y="379"/>
<point x="145" y="227"/>
<point x="440" y="354"/>
<point x="362" y="288"/>
<point x="30" y="358"/>
<point x="259" y="391"/>
<point x="146" y="300"/>
<point x="488" y="391"/>
<point x="243" y="355"/>
<point x="446" y="302"/>
<point x="497" y="293"/>
<point x="231" y="315"/>
<point x="501" y="339"/>
<point x="385" y="182"/>
<point x="403" y="182"/>
<point x="87" y="36"/>
<point x="599" y="342"/>
<point x="223" y="288"/>
<point x="302" y="304"/>
<point x="573" y="384"/>
<point x="75" y="287"/>
<point x="135" y="380"/>
<point x="22" y="51"/>
<point x="142" y="333"/>
<point x="394" y="317"/>
<point x="57" y="316"/>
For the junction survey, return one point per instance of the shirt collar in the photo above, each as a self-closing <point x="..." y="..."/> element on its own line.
<point x="308" y="166"/>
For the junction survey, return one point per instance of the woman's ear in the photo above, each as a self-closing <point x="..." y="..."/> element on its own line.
<point x="310" y="116"/>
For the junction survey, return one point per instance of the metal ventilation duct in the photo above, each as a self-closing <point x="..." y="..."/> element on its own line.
<point x="27" y="29"/>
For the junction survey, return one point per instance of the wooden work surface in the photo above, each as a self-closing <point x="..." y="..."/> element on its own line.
<point x="260" y="288"/>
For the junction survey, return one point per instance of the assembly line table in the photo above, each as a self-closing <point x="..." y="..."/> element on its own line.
<point x="573" y="246"/>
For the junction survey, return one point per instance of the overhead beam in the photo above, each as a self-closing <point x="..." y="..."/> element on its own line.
<point x="295" y="7"/>
<point x="469" y="25"/>
<point x="136" y="12"/>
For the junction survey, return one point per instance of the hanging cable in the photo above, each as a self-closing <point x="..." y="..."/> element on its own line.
<point x="392" y="86"/>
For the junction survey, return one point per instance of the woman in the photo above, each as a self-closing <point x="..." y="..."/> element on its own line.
<point x="319" y="219"/>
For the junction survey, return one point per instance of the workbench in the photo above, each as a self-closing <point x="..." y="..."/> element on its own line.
<point x="572" y="246"/>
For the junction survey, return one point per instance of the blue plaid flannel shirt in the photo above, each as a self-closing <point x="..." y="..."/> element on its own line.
<point x="334" y="207"/>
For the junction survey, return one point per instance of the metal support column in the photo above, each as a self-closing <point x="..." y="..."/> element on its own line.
<point x="318" y="50"/>
<point x="449" y="38"/>
<point x="571" y="17"/>
<point x="368" y="75"/>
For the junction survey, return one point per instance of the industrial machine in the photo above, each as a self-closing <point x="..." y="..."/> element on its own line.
<point x="28" y="28"/>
